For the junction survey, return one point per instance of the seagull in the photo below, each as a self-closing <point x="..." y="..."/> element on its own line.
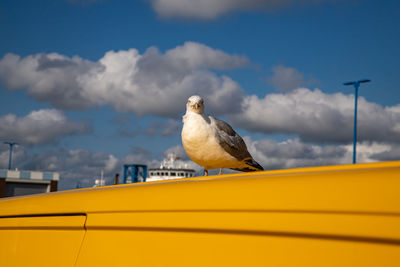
<point x="213" y="143"/>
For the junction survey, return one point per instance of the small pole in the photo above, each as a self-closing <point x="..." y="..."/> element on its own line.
<point x="11" y="144"/>
<point x="116" y="178"/>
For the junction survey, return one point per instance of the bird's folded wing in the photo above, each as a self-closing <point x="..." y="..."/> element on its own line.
<point x="229" y="140"/>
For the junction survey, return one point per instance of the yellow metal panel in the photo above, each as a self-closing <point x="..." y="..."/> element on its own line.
<point x="227" y="238"/>
<point x="361" y="227"/>
<point x="40" y="241"/>
<point x="325" y="216"/>
<point x="142" y="248"/>
<point x="350" y="188"/>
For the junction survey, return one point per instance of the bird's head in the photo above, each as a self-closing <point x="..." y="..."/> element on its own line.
<point x="195" y="104"/>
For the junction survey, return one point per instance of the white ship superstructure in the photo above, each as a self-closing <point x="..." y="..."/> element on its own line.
<point x="170" y="169"/>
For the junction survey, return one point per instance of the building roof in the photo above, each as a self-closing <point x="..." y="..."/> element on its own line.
<point x="32" y="175"/>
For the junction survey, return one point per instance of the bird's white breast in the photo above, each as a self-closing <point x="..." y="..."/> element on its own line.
<point x="200" y="143"/>
<point x="196" y="132"/>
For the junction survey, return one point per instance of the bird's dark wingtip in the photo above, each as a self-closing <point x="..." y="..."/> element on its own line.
<point x="253" y="166"/>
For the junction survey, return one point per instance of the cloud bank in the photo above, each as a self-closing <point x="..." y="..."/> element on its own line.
<point x="149" y="83"/>
<point x="156" y="83"/>
<point x="293" y="153"/>
<point x="318" y="117"/>
<point x="76" y="166"/>
<point x="40" y="127"/>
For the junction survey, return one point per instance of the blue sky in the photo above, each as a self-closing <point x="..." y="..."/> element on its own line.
<point x="281" y="64"/>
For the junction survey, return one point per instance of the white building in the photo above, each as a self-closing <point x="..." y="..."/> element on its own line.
<point x="19" y="183"/>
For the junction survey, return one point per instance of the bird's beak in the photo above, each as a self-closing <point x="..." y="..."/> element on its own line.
<point x="196" y="105"/>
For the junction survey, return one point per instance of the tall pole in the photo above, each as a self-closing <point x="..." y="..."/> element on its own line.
<point x="356" y="86"/>
<point x="11" y="144"/>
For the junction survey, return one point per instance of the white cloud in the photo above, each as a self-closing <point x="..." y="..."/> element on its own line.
<point x="211" y="9"/>
<point x="39" y="127"/>
<point x="388" y="152"/>
<point x="293" y="153"/>
<point x="151" y="83"/>
<point x="75" y="166"/>
<point x="50" y="78"/>
<point x="110" y="163"/>
<point x="178" y="151"/>
<point x="199" y="55"/>
<point x="318" y="117"/>
<point x="140" y="155"/>
<point x="285" y="79"/>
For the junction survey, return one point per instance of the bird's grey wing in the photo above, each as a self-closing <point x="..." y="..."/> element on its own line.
<point x="230" y="140"/>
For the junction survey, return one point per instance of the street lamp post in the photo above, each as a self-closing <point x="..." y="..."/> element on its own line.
<point x="11" y="144"/>
<point x="356" y="85"/>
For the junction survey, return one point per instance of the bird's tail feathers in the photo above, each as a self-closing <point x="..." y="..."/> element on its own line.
<point x="252" y="166"/>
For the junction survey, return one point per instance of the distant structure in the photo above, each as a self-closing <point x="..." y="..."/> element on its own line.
<point x="134" y="173"/>
<point x="11" y="144"/>
<point x="169" y="169"/>
<point x="20" y="183"/>
<point x="356" y="85"/>
<point x="116" y="178"/>
<point x="99" y="182"/>
<point x="78" y="185"/>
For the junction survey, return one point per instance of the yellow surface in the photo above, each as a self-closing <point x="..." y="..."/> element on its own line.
<point x="139" y="248"/>
<point x="326" y="216"/>
<point x="40" y="241"/>
<point x="334" y="226"/>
